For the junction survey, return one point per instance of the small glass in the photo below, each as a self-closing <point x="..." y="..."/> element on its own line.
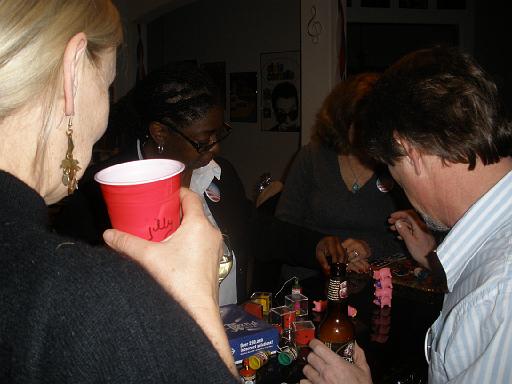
<point x="297" y="302"/>
<point x="304" y="332"/>
<point x="263" y="298"/>
<point x="282" y="317"/>
<point x="253" y="308"/>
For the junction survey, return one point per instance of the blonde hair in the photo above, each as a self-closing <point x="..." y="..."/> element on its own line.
<point x="33" y="37"/>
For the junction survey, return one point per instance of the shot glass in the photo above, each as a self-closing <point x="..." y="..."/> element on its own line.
<point x="298" y="302"/>
<point x="263" y="298"/>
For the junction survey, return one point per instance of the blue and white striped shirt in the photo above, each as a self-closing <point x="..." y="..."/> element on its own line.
<point x="472" y="338"/>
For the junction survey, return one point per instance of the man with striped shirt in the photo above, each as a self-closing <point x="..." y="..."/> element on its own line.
<point x="434" y="118"/>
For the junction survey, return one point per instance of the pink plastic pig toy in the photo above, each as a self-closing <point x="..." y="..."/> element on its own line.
<point x="387" y="292"/>
<point x="381" y="273"/>
<point x="383" y="301"/>
<point x="385" y="282"/>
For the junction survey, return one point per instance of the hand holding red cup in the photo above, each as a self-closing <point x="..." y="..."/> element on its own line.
<point x="143" y="197"/>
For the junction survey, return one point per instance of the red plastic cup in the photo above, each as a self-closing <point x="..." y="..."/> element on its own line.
<point x="143" y="196"/>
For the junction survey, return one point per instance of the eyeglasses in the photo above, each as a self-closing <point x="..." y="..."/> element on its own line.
<point x="202" y="147"/>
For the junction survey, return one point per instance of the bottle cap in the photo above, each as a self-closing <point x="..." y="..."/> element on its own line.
<point x="287" y="355"/>
<point x="255" y="362"/>
<point x="284" y="358"/>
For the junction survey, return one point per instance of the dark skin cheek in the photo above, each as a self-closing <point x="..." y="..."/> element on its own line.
<point x="185" y="153"/>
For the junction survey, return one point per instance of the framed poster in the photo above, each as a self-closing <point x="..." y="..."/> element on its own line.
<point x="242" y="97"/>
<point x="280" y="91"/>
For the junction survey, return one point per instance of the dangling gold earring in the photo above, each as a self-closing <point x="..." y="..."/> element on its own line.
<point x="69" y="165"/>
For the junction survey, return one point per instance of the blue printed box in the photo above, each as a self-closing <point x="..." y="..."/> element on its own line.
<point x="247" y="334"/>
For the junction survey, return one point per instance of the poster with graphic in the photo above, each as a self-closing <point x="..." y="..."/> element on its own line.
<point x="280" y="91"/>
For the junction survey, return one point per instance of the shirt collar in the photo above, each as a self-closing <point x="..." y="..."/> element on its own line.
<point x="481" y="220"/>
<point x="203" y="177"/>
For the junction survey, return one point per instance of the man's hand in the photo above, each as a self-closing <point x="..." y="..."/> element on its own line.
<point x="326" y="367"/>
<point x="414" y="232"/>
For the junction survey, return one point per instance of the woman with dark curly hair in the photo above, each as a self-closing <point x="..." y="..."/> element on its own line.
<point x="335" y="189"/>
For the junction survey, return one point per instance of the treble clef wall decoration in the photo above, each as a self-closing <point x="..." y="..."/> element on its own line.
<point x="314" y="27"/>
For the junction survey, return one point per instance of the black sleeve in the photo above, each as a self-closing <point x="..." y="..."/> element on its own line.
<point x="294" y="204"/>
<point x="278" y="242"/>
<point x="113" y="323"/>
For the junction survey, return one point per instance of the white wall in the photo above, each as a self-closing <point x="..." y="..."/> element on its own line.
<point x="319" y="52"/>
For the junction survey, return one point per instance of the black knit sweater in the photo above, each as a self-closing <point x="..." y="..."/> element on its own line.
<point x="70" y="313"/>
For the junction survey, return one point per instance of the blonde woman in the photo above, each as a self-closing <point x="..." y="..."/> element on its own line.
<point x="69" y="312"/>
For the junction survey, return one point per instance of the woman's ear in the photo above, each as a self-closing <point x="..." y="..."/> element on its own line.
<point x="158" y="132"/>
<point x="73" y="55"/>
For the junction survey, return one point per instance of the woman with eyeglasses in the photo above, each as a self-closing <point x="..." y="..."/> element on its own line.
<point x="178" y="114"/>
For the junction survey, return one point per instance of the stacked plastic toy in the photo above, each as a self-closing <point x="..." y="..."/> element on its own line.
<point x="383" y="287"/>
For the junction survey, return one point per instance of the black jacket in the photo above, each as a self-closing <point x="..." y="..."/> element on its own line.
<point x="72" y="313"/>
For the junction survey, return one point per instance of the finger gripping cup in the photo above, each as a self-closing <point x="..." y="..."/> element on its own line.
<point x="142" y="197"/>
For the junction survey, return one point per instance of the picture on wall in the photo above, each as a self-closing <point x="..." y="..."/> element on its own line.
<point x="242" y="97"/>
<point x="280" y="91"/>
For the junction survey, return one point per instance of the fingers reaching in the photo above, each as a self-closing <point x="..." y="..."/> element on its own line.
<point x="329" y="246"/>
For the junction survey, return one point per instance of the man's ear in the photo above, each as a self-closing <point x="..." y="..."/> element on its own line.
<point x="73" y="54"/>
<point x="412" y="154"/>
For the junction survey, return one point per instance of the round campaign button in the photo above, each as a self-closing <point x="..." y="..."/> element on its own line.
<point x="213" y="193"/>
<point x="385" y="184"/>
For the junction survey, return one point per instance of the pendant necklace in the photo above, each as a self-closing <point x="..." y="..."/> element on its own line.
<point x="355" y="186"/>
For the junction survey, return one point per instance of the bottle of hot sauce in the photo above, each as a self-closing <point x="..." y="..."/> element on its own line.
<point x="336" y="330"/>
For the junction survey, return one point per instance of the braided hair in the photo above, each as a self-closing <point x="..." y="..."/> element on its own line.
<point x="177" y="94"/>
